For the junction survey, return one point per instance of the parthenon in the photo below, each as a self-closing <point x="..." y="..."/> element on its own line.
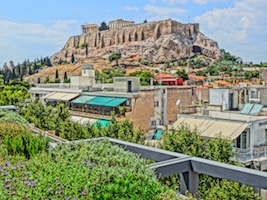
<point x="119" y="23"/>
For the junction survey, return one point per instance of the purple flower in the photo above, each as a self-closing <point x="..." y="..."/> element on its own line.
<point x="27" y="173"/>
<point x="50" y="189"/>
<point x="13" y="168"/>
<point x="75" y="198"/>
<point x="60" y="187"/>
<point x="84" y="192"/>
<point x="11" y="188"/>
<point x="58" y="183"/>
<point x="67" y="198"/>
<point x="26" y="183"/>
<point x="14" y="179"/>
<point x="3" y="184"/>
<point x="21" y="168"/>
<point x="4" y="173"/>
<point x="7" y="163"/>
<point x="7" y="180"/>
<point x="30" y="178"/>
<point x="57" y="192"/>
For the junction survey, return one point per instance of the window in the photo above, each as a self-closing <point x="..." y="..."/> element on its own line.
<point x="156" y="104"/>
<point x="252" y="94"/>
<point x="153" y="123"/>
<point x="244" y="140"/>
<point x="238" y="141"/>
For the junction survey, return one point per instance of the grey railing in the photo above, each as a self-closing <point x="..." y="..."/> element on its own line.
<point x="170" y="163"/>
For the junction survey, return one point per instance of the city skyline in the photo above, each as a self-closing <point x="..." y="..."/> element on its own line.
<point x="33" y="29"/>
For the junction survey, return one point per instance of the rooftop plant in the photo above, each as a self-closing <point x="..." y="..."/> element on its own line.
<point x="95" y="170"/>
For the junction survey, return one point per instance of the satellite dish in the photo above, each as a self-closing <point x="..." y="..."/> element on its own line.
<point x="178" y="102"/>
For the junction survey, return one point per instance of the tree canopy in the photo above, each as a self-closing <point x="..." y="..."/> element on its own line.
<point x="116" y="57"/>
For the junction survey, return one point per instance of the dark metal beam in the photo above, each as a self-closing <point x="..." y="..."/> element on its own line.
<point x="243" y="175"/>
<point x="171" y="167"/>
<point x="146" y="151"/>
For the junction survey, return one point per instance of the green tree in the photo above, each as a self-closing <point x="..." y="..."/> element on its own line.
<point x="103" y="26"/>
<point x="182" y="74"/>
<point x="190" y="142"/>
<point x="145" y="76"/>
<point x="116" y="57"/>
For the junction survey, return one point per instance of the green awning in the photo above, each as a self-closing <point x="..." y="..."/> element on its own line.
<point x="100" y="101"/>
<point x="82" y="99"/>
<point x="116" y="102"/>
<point x="158" y="134"/>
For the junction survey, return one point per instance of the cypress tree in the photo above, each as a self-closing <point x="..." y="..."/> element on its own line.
<point x="56" y="74"/>
<point x="65" y="76"/>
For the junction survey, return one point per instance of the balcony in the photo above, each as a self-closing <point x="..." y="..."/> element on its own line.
<point x="245" y="154"/>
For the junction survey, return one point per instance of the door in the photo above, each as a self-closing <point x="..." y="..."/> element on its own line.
<point x="129" y="86"/>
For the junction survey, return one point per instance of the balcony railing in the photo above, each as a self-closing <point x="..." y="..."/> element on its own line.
<point x="63" y="86"/>
<point x="245" y="154"/>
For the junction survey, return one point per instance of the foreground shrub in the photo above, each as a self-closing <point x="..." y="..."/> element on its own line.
<point x="11" y="130"/>
<point x="94" y="170"/>
<point x="12" y="117"/>
<point x="26" y="145"/>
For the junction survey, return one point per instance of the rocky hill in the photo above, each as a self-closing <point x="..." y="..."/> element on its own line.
<point x="156" y="42"/>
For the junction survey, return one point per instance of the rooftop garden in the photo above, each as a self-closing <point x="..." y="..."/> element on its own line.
<point x="95" y="170"/>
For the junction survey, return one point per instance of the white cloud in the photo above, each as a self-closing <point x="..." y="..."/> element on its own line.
<point x="163" y="10"/>
<point x="20" y="40"/>
<point x="172" y="2"/>
<point x="201" y="2"/>
<point x="239" y="29"/>
<point x="131" y="8"/>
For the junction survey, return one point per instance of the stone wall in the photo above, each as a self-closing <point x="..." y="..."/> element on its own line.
<point x="138" y="32"/>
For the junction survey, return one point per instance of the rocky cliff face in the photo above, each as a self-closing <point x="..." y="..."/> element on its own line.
<point x="156" y="41"/>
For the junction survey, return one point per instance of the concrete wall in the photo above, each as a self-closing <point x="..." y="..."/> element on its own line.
<point x="203" y="94"/>
<point x="219" y="96"/>
<point x="142" y="109"/>
<point x="173" y="94"/>
<point x="121" y="84"/>
<point x="82" y="81"/>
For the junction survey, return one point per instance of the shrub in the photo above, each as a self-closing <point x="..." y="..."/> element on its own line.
<point x="95" y="170"/>
<point x="26" y="144"/>
<point x="11" y="130"/>
<point x="12" y="117"/>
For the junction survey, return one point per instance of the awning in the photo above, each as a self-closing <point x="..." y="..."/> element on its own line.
<point x="48" y="95"/>
<point x="212" y="128"/>
<point x="100" y="101"/>
<point x="115" y="102"/>
<point x="60" y="96"/>
<point x="82" y="99"/>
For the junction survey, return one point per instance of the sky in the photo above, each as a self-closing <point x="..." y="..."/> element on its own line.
<point x="31" y="28"/>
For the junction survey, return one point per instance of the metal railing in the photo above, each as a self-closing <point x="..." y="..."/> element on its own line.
<point x="246" y="154"/>
<point x="170" y="163"/>
<point x="62" y="86"/>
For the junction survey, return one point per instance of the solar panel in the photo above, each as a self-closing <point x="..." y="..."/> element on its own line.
<point x="247" y="108"/>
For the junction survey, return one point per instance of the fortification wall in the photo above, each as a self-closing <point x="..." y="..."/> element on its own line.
<point x="135" y="33"/>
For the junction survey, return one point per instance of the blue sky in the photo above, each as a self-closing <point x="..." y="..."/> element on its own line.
<point x="30" y="28"/>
